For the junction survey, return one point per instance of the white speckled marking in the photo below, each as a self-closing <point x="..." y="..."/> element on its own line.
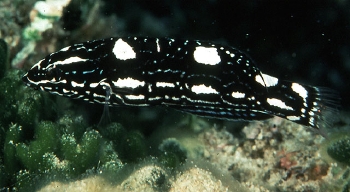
<point x="266" y="80"/>
<point x="206" y="55"/>
<point x="164" y="84"/>
<point x="75" y="84"/>
<point x="158" y="47"/>
<point x="128" y="82"/>
<point x="238" y="95"/>
<point x="278" y="103"/>
<point x="300" y="90"/>
<point x="69" y="61"/>
<point x="293" y="118"/>
<point x="65" y="49"/>
<point x="202" y="89"/>
<point x="123" y="51"/>
<point x="135" y="97"/>
<point x="93" y="85"/>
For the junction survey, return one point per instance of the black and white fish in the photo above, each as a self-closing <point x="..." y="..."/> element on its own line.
<point x="198" y="77"/>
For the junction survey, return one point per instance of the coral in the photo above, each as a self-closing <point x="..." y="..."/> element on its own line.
<point x="60" y="150"/>
<point x="289" y="163"/>
<point x="133" y="146"/>
<point x="287" y="160"/>
<point x="81" y="155"/>
<point x="172" y="153"/>
<point x="339" y="148"/>
<point x="196" y="179"/>
<point x="32" y="155"/>
<point x="109" y="160"/>
<point x="13" y="137"/>
<point x="146" y="178"/>
<point x="91" y="184"/>
<point x="9" y="95"/>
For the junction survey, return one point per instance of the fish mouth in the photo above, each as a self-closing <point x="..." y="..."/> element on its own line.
<point x="26" y="81"/>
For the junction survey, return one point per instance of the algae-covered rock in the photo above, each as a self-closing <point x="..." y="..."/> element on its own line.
<point x="339" y="149"/>
<point x="196" y="179"/>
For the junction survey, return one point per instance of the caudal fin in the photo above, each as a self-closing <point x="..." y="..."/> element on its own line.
<point x="311" y="106"/>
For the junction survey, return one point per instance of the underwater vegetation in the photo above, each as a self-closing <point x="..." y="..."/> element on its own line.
<point x="339" y="148"/>
<point x="4" y="56"/>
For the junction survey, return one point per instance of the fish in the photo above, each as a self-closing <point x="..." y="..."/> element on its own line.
<point x="193" y="76"/>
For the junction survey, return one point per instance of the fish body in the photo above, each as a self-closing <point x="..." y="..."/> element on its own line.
<point x="198" y="77"/>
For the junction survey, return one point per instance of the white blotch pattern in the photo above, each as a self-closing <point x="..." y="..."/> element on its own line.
<point x="93" y="85"/>
<point x="300" y="90"/>
<point x="158" y="47"/>
<point x="238" y="95"/>
<point x="75" y="84"/>
<point x="278" y="103"/>
<point x="164" y="84"/>
<point x="266" y="80"/>
<point x="128" y="82"/>
<point x="293" y="118"/>
<point x="65" y="49"/>
<point x="123" y="51"/>
<point x="70" y="60"/>
<point x="202" y="89"/>
<point x="135" y="97"/>
<point x="206" y="55"/>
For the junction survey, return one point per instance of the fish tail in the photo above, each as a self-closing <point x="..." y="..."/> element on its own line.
<point x="311" y="106"/>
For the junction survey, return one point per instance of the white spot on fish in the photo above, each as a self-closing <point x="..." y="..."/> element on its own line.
<point x="278" y="103"/>
<point x="164" y="84"/>
<point x="300" y="90"/>
<point x="135" y="97"/>
<point x="75" y="84"/>
<point x="123" y="51"/>
<point x="69" y="61"/>
<point x="128" y="82"/>
<point x="158" y="47"/>
<point x="266" y="80"/>
<point x="93" y="85"/>
<point x="238" y="95"/>
<point x="65" y="49"/>
<point x="293" y="118"/>
<point x="202" y="89"/>
<point x="206" y="55"/>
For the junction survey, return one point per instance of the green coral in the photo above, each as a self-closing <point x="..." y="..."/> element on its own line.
<point x="9" y="96"/>
<point x="339" y="149"/>
<point x="109" y="159"/>
<point x="13" y="136"/>
<point x="173" y="154"/>
<point x="133" y="146"/>
<point x="81" y="155"/>
<point x="32" y="155"/>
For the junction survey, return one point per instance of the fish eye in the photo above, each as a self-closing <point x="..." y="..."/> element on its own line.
<point x="54" y="73"/>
